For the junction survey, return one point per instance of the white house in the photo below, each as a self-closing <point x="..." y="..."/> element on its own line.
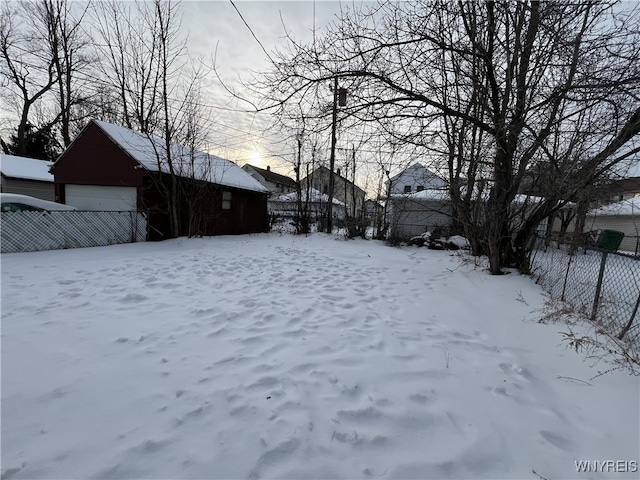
<point x="414" y="179"/>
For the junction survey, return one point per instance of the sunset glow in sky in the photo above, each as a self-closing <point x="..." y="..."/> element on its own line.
<point x="219" y="37"/>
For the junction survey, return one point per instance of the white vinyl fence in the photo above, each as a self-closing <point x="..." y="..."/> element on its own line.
<point x="33" y="231"/>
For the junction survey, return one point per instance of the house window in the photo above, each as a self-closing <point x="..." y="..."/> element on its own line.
<point x="325" y="189"/>
<point x="420" y="188"/>
<point x="226" y="200"/>
<point x="407" y="189"/>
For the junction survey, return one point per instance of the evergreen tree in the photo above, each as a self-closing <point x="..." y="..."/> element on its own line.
<point x="41" y="144"/>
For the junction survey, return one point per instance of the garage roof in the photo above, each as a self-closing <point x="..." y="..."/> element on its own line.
<point x="187" y="163"/>
<point x="25" y="168"/>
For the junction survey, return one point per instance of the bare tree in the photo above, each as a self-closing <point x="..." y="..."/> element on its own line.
<point x="128" y="36"/>
<point x="42" y="52"/>
<point x="505" y="82"/>
<point x="70" y="52"/>
<point x="145" y="60"/>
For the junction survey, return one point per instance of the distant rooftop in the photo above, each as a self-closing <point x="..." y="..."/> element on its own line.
<point x="272" y="176"/>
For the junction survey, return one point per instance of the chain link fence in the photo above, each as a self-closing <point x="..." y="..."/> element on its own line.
<point x="603" y="285"/>
<point x="33" y="231"/>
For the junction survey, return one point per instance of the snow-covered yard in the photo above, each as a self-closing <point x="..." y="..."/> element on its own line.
<point x="274" y="356"/>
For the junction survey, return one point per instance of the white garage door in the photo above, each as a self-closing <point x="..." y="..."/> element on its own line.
<point x="100" y="198"/>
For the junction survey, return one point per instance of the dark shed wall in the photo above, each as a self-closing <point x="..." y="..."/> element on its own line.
<point x="201" y="211"/>
<point x="248" y="213"/>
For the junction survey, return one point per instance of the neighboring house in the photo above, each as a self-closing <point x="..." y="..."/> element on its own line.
<point x="343" y="189"/>
<point x="417" y="202"/>
<point x="27" y="176"/>
<point x="286" y="206"/>
<point x="414" y="179"/>
<point x="372" y="211"/>
<point x="621" y="216"/>
<point x="108" y="167"/>
<point x="276" y="183"/>
<point x="412" y="214"/>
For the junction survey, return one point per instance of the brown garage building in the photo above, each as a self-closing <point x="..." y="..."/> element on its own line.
<point x="108" y="167"/>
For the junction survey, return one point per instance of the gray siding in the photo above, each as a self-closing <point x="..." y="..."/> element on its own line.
<point x="410" y="217"/>
<point x="628" y="224"/>
<point x="33" y="188"/>
<point x="320" y="178"/>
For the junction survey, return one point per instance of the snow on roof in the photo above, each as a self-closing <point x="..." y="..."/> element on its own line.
<point x="314" y="196"/>
<point x="524" y="199"/>
<point x="426" y="194"/>
<point x="623" y="208"/>
<point x="25" y="168"/>
<point x="187" y="162"/>
<point x="440" y="194"/>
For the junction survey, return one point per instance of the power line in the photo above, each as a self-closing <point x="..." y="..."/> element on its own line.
<point x="254" y="35"/>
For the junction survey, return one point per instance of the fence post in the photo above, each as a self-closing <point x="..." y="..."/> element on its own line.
<point x="132" y="227"/>
<point x="566" y="276"/>
<point x="596" y="299"/>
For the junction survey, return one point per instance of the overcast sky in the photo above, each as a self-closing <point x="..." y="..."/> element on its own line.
<point x="216" y="32"/>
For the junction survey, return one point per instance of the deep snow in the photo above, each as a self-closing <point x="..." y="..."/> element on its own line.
<point x="274" y="356"/>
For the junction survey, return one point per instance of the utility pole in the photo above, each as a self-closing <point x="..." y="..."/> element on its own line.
<point x="332" y="158"/>
<point x="353" y="183"/>
<point x="346" y="173"/>
<point x="301" y="223"/>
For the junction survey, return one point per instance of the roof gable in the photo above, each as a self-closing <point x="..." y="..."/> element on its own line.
<point x="149" y="151"/>
<point x="416" y="171"/>
<point x="272" y="176"/>
<point x="25" y="168"/>
<point x="324" y="169"/>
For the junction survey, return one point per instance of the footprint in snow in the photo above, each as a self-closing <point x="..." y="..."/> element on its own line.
<point x="516" y="371"/>
<point x="557" y="440"/>
<point x="133" y="298"/>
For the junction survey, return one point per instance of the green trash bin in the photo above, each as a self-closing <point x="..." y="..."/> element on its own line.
<point x="610" y="240"/>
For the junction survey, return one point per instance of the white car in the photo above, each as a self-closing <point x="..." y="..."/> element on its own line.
<point x="13" y="202"/>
